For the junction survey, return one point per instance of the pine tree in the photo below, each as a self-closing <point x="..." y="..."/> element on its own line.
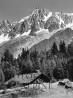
<point x="70" y="50"/>
<point x="70" y="69"/>
<point x="62" y="47"/>
<point x="2" y="77"/>
<point x="54" y="49"/>
<point x="7" y="56"/>
<point x="23" y="53"/>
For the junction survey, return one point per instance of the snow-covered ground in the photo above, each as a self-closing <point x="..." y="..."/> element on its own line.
<point x="4" y="38"/>
<point x="54" y="92"/>
<point x="40" y="91"/>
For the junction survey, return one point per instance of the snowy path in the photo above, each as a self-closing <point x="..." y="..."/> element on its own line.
<point x="40" y="91"/>
<point x="55" y="92"/>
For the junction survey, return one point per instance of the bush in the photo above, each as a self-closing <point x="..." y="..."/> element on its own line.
<point x="11" y="83"/>
<point x="2" y="86"/>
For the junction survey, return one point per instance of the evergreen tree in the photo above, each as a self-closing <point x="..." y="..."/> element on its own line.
<point x="7" y="65"/>
<point x="58" y="71"/>
<point x="54" y="49"/>
<point x="2" y="77"/>
<point x="23" y="53"/>
<point x="70" y="69"/>
<point x="7" y="56"/>
<point x="62" y="47"/>
<point x="70" y="50"/>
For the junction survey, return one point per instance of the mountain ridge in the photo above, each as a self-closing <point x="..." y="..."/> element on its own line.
<point x="40" y="17"/>
<point x="31" y="30"/>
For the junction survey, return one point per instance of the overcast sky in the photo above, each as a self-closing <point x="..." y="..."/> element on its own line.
<point x="14" y="10"/>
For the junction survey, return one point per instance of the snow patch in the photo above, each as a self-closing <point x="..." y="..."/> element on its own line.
<point x="61" y="20"/>
<point x="41" y="30"/>
<point x="69" y="25"/>
<point x="46" y="17"/>
<point x="22" y="20"/>
<point x="4" y="38"/>
<point x="26" y="33"/>
<point x="18" y="35"/>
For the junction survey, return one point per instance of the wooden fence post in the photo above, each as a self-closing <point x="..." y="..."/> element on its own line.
<point x="49" y="84"/>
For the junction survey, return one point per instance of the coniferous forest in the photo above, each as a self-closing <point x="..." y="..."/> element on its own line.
<point x="56" y="63"/>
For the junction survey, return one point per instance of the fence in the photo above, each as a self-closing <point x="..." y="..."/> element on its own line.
<point x="5" y="96"/>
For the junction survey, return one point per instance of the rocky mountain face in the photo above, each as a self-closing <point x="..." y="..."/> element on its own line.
<point x="39" y="19"/>
<point x="41" y="28"/>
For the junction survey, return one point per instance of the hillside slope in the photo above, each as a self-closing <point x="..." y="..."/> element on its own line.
<point x="15" y="45"/>
<point x="62" y="35"/>
<point x="41" y="26"/>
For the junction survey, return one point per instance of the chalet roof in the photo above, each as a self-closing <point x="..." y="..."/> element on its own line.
<point x="24" y="78"/>
<point x="29" y="78"/>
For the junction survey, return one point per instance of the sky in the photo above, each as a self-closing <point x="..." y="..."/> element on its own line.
<point x="14" y="10"/>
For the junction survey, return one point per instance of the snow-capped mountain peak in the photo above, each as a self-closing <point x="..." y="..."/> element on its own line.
<point x="39" y="19"/>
